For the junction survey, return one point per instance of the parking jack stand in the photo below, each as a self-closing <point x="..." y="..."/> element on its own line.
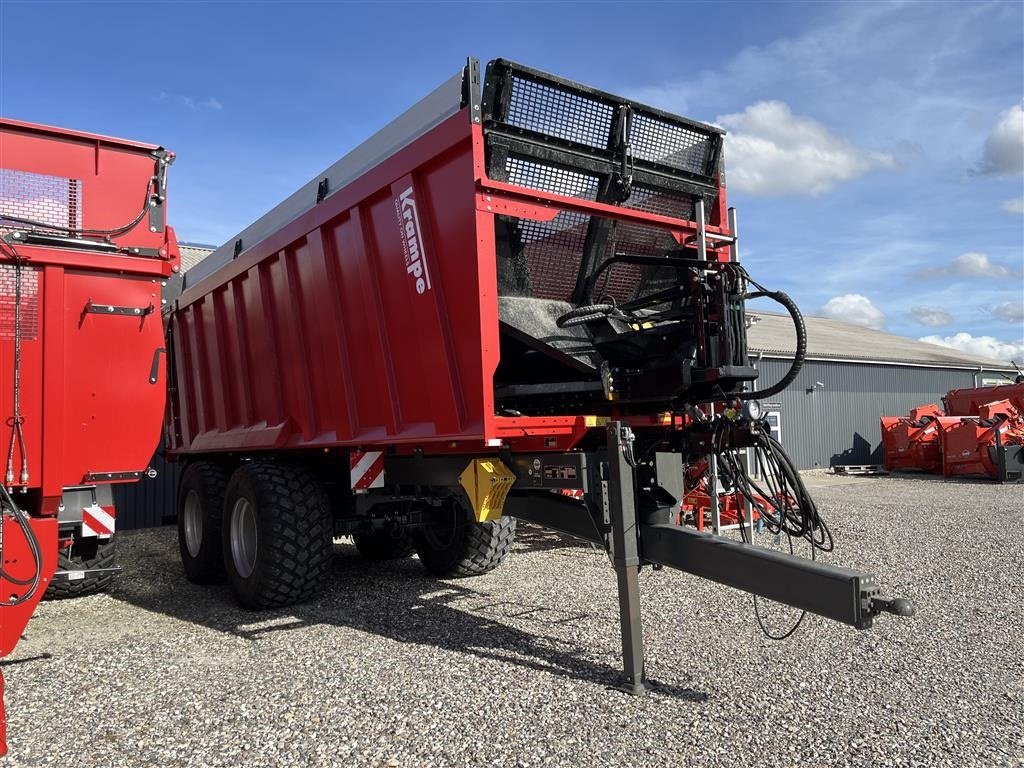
<point x="620" y="495"/>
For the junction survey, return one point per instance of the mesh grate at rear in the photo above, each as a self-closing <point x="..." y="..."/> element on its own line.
<point x="541" y="259"/>
<point x="550" y="178"/>
<point x="658" y="141"/>
<point x="559" y="112"/>
<point x="51" y="200"/>
<point x="29" y="303"/>
<point x="661" y="203"/>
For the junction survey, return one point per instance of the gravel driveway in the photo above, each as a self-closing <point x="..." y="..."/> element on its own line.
<point x="392" y="668"/>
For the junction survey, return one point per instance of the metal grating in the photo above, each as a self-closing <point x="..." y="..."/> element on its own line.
<point x="52" y="200"/>
<point x="528" y="173"/>
<point x="29" y="303"/>
<point x="549" y="178"/>
<point x="661" y="203"/>
<point x="541" y="259"/>
<point x="658" y="141"/>
<point x="561" y="113"/>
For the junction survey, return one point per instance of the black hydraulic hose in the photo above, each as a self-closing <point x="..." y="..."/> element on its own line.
<point x="21" y="518"/>
<point x="95" y="232"/>
<point x="801" y="344"/>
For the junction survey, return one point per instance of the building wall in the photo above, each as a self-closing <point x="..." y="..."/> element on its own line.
<point x="151" y="502"/>
<point x="838" y="423"/>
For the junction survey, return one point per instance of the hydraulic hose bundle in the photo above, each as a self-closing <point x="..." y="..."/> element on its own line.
<point x="779" y="497"/>
<point x="801" y="337"/>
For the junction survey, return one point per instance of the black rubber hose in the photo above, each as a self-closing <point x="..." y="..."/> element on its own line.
<point x="801" y="345"/>
<point x="582" y="315"/>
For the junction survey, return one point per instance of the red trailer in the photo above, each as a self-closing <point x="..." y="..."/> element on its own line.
<point x="525" y="303"/>
<point x="84" y="253"/>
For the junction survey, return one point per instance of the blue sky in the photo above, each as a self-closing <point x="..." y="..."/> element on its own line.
<point x="875" y="149"/>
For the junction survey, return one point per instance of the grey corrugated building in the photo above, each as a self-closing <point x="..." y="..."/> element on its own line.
<point x="853" y="375"/>
<point x="829" y="415"/>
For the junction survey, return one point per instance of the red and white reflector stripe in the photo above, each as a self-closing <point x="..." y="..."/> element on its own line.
<point x="366" y="470"/>
<point x="98" y="521"/>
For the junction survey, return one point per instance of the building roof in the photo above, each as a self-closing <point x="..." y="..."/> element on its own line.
<point x="773" y="335"/>
<point x="192" y="254"/>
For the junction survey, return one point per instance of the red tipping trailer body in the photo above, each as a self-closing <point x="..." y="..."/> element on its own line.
<point x="84" y="252"/>
<point x="373" y="317"/>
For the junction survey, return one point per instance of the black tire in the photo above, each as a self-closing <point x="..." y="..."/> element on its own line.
<point x="85" y="553"/>
<point x="384" y="544"/>
<point x="203" y="485"/>
<point x="291" y="530"/>
<point x="453" y="544"/>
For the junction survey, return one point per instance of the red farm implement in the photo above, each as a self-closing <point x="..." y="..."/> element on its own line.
<point x="517" y="301"/>
<point x="84" y="251"/>
<point x="981" y="434"/>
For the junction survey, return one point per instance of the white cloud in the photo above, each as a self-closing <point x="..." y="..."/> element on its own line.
<point x="854" y="308"/>
<point x="771" y="151"/>
<point x="983" y="346"/>
<point x="1010" y="311"/>
<point x="1014" y="206"/>
<point x="1004" y="148"/>
<point x="210" y="104"/>
<point x="970" y="264"/>
<point x="931" y="316"/>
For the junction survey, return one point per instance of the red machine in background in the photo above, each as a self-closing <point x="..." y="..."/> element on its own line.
<point x="84" y="253"/>
<point x="981" y="432"/>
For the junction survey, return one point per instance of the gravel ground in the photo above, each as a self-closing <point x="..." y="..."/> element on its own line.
<point x="391" y="668"/>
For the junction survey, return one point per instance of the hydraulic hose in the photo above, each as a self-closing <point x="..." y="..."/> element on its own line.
<point x="801" y="343"/>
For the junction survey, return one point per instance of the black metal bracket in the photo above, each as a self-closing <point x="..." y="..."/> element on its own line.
<point x="157" y="211"/>
<point x="101" y="477"/>
<point x="237" y="249"/>
<point x="471" y="90"/>
<point x="19" y="236"/>
<point x="154" y="369"/>
<point x="92" y="308"/>
<point x="321" y="190"/>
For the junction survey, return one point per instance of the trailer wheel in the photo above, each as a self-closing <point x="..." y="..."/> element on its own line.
<point x="85" y="553"/>
<point x="200" y="512"/>
<point x="384" y="544"/>
<point x="454" y="544"/>
<point x="278" y="534"/>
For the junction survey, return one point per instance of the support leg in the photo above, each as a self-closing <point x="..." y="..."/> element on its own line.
<point x="620" y="494"/>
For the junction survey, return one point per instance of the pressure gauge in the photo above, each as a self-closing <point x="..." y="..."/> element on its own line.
<point x="752" y="410"/>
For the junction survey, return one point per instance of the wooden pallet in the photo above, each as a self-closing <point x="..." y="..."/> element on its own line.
<point x="859" y="469"/>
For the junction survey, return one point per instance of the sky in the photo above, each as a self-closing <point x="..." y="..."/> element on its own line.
<point x="875" y="150"/>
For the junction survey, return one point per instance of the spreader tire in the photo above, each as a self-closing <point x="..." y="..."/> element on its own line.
<point x="278" y="534"/>
<point x="86" y="553"/>
<point x="453" y="544"/>
<point x="200" y="512"/>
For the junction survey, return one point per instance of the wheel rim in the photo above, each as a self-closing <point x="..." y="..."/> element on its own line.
<point x="192" y="519"/>
<point x="243" y="537"/>
<point x="442" y="533"/>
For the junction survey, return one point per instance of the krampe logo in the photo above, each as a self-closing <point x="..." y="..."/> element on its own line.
<point x="412" y="240"/>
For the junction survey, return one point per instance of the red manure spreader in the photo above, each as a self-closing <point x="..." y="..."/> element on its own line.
<point x="980" y="432"/>
<point x="84" y="253"/>
<point x="521" y="300"/>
